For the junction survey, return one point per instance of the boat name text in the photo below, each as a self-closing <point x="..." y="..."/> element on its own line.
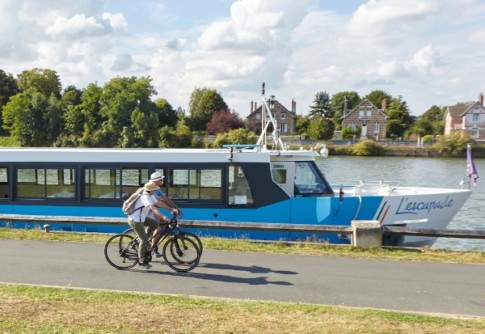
<point x="412" y="207"/>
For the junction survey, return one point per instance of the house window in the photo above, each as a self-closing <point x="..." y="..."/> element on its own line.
<point x="369" y="113"/>
<point x="361" y="113"/>
<point x="283" y="128"/>
<point x="474" y="132"/>
<point x="376" y="127"/>
<point x="258" y="115"/>
<point x="282" y="116"/>
<point x="475" y="118"/>
<point x="352" y="126"/>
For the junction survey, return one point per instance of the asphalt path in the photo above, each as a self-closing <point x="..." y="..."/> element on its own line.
<point x="445" y="288"/>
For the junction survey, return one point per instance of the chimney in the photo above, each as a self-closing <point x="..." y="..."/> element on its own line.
<point x="251" y="109"/>
<point x="384" y="105"/>
<point x="293" y="106"/>
<point x="345" y="106"/>
<point x="480" y="99"/>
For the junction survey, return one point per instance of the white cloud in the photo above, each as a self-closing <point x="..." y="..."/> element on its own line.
<point x="478" y="36"/>
<point x="297" y="47"/>
<point x="76" y="25"/>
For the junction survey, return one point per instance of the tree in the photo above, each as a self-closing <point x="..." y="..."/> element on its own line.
<point x="377" y="96"/>
<point x="302" y="125"/>
<point x="337" y="104"/>
<point x="223" y="121"/>
<point x="45" y="81"/>
<point x="399" y="119"/>
<point x="8" y="88"/>
<point x="321" y="128"/>
<point x="89" y="116"/>
<point x="181" y="136"/>
<point x="166" y="114"/>
<point x="203" y="103"/>
<point x="120" y="99"/>
<point x="28" y="118"/>
<point x="321" y="106"/>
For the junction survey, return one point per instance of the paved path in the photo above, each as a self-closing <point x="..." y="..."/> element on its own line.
<point x="397" y="285"/>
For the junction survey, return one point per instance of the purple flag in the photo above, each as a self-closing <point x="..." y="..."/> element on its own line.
<point x="471" y="170"/>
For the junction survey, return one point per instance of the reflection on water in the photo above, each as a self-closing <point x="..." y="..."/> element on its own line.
<point x="410" y="171"/>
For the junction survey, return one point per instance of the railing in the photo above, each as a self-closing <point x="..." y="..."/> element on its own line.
<point x="308" y="228"/>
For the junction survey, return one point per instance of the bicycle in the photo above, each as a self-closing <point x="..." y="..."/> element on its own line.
<point x="181" y="253"/>
<point x="189" y="235"/>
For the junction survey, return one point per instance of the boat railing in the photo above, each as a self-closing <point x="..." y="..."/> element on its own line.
<point x="361" y="187"/>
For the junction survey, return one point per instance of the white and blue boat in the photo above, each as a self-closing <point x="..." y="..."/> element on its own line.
<point x="237" y="183"/>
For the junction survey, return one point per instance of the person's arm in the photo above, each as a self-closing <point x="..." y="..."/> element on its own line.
<point x="173" y="207"/>
<point x="158" y="214"/>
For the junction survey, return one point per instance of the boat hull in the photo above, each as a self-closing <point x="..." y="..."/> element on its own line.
<point x="429" y="208"/>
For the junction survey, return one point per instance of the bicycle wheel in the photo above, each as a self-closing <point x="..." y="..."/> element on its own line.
<point x="195" y="238"/>
<point x="181" y="254"/>
<point x="130" y="231"/>
<point x="121" y="251"/>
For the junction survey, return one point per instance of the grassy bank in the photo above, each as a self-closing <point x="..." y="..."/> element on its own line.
<point x="425" y="254"/>
<point x="27" y="309"/>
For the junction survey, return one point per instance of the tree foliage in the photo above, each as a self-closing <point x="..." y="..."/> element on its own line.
<point x="377" y="96"/>
<point x="8" y="88"/>
<point x="237" y="136"/>
<point x="399" y="120"/>
<point x="204" y="102"/>
<point x="45" y="81"/>
<point x="454" y="144"/>
<point x="167" y="116"/>
<point x="321" y="106"/>
<point x="223" y="121"/>
<point x="321" y="128"/>
<point x="30" y="116"/>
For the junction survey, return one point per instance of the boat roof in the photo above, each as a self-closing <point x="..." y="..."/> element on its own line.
<point x="175" y="155"/>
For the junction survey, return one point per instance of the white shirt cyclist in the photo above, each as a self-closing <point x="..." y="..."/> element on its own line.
<point x="144" y="201"/>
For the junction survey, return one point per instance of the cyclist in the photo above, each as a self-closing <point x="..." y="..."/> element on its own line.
<point x="140" y="219"/>
<point x="164" y="202"/>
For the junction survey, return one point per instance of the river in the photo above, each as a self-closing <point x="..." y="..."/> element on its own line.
<point x="412" y="171"/>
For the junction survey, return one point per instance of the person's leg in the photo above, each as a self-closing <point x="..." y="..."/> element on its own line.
<point x="152" y="225"/>
<point x="140" y="231"/>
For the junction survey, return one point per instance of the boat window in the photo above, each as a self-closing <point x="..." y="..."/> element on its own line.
<point x="238" y="192"/>
<point x="4" y="184"/>
<point x="46" y="182"/>
<point x="195" y="184"/>
<point x="111" y="183"/>
<point x="308" y="181"/>
<point x="132" y="179"/>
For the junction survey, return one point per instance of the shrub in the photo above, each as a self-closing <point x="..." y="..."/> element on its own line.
<point x="367" y="148"/>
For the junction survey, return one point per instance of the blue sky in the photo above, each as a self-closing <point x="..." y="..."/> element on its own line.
<point x="430" y="52"/>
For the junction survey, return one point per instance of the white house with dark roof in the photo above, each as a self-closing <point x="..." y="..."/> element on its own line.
<point x="468" y="117"/>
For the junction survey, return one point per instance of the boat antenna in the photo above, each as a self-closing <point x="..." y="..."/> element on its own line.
<point x="267" y="120"/>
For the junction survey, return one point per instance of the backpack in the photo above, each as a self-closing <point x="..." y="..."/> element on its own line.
<point x="128" y="205"/>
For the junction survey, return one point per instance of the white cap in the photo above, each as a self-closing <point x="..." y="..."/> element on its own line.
<point x="156" y="176"/>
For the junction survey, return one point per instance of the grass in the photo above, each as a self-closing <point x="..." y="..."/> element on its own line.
<point x="426" y="254"/>
<point x="29" y="309"/>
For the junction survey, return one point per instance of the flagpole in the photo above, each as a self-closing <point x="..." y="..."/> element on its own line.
<point x="471" y="170"/>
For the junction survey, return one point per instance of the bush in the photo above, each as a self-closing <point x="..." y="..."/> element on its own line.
<point x="367" y="148"/>
<point x="453" y="144"/>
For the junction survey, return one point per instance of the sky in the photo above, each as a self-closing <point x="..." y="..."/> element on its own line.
<point x="430" y="52"/>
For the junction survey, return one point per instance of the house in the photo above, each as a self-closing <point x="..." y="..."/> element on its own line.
<point x="468" y="117"/>
<point x="370" y="119"/>
<point x="284" y="118"/>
